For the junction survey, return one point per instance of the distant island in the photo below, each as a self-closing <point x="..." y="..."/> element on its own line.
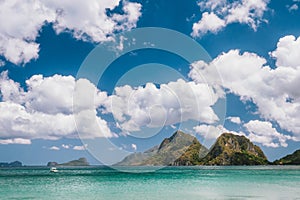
<point x="12" y="164"/>
<point x="77" y="163"/>
<point x="183" y="149"/>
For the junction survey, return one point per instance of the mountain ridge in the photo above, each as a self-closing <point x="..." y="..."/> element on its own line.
<point x="290" y="159"/>
<point x="172" y="151"/>
<point x="231" y="149"/>
<point x="183" y="149"/>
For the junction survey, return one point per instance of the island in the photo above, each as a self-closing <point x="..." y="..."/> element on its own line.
<point x="72" y="163"/>
<point x="11" y="164"/>
<point x="291" y="159"/>
<point x="183" y="149"/>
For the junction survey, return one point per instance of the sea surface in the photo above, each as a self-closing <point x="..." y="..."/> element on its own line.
<point x="184" y="183"/>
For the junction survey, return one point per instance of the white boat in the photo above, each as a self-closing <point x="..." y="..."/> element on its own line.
<point x="53" y="169"/>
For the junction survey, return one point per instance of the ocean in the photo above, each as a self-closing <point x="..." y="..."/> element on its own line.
<point x="184" y="183"/>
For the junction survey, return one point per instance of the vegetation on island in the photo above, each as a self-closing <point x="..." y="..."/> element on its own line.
<point x="291" y="159"/>
<point x="183" y="149"/>
<point x="230" y="149"/>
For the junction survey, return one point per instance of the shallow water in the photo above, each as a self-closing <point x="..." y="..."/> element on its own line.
<point x="262" y="182"/>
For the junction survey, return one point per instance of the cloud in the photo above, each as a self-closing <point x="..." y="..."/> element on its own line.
<point x="168" y="104"/>
<point x="264" y="133"/>
<point x="235" y="120"/>
<point x="274" y="91"/>
<point x="59" y="106"/>
<point x="209" y="22"/>
<point x="80" y="148"/>
<point x="17" y="50"/>
<point x="17" y="41"/>
<point x="65" y="146"/>
<point x="132" y="12"/>
<point x="287" y="52"/>
<point x="211" y="132"/>
<point x="293" y="7"/>
<point x="44" y="110"/>
<point x="54" y="148"/>
<point x="15" y="141"/>
<point x="219" y="14"/>
<point x="88" y="21"/>
<point x="134" y="147"/>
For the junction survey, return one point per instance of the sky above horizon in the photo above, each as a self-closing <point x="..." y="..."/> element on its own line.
<point x="245" y="81"/>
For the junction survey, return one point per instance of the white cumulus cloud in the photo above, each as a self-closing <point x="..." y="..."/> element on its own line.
<point x="22" y="21"/>
<point x="264" y="133"/>
<point x="293" y="7"/>
<point x="80" y="148"/>
<point x="134" y="147"/>
<point x="54" y="148"/>
<point x="287" y="53"/>
<point x="169" y="104"/>
<point x="15" y="141"/>
<point x="209" y="22"/>
<point x="218" y="14"/>
<point x="236" y="120"/>
<point x="66" y="146"/>
<point x="44" y="110"/>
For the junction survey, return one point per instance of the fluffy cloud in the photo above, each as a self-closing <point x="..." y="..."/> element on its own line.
<point x="17" y="40"/>
<point x="65" y="146"/>
<point x="235" y="120"/>
<point x="44" y="110"/>
<point x="84" y="20"/>
<point x="17" y="122"/>
<point x="274" y="91"/>
<point x="54" y="148"/>
<point x="80" y="148"/>
<point x="293" y="7"/>
<point x="211" y="132"/>
<point x="15" y="141"/>
<point x="169" y="104"/>
<point x="264" y="133"/>
<point x="287" y="53"/>
<point x="134" y="147"/>
<point x="209" y="22"/>
<point x="218" y="14"/>
<point x="52" y="107"/>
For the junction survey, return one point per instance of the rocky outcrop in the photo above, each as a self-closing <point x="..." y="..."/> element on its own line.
<point x="179" y="149"/>
<point x="230" y="149"/>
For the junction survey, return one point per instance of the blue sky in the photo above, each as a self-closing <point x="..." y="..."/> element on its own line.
<point x="254" y="46"/>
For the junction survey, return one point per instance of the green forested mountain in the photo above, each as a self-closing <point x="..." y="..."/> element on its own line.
<point x="184" y="149"/>
<point x="292" y="159"/>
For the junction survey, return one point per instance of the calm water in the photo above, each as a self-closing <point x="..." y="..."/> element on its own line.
<point x="267" y="182"/>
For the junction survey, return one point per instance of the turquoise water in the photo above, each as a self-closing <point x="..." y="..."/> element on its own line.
<point x="264" y="182"/>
